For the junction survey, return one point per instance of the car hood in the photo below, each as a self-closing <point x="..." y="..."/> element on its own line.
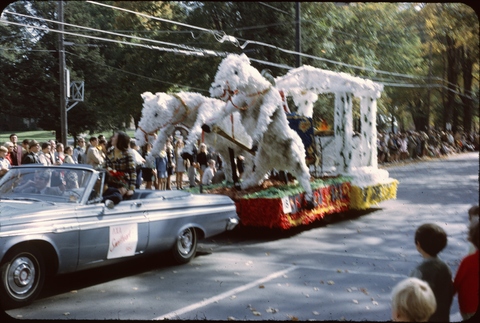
<point x="20" y="211"/>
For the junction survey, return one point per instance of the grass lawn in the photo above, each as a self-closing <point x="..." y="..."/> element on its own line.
<point x="43" y="135"/>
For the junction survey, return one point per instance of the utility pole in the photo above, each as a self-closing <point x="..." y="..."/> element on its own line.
<point x="429" y="82"/>
<point x="62" y="79"/>
<point x="298" y="35"/>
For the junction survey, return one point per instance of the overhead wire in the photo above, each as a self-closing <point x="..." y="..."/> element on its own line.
<point x="187" y="50"/>
<point x="274" y="8"/>
<point x="219" y="35"/>
<point x="135" y="74"/>
<point x="235" y="41"/>
<point x="97" y="30"/>
<point x="30" y="50"/>
<point x="247" y="42"/>
<point x="132" y="37"/>
<point x="199" y="52"/>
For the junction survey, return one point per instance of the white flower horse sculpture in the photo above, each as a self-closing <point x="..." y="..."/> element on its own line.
<point x="162" y="111"/>
<point x="261" y="108"/>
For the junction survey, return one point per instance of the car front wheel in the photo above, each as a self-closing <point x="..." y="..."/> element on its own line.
<point x="185" y="246"/>
<point x="23" y="275"/>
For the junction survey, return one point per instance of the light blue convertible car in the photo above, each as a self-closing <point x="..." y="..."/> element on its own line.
<point x="53" y="221"/>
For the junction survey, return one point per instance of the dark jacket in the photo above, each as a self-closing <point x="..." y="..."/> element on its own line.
<point x="31" y="158"/>
<point x="112" y="194"/>
<point x="439" y="276"/>
<point x="16" y="157"/>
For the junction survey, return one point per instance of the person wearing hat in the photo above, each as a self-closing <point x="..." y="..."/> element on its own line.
<point x="32" y="156"/>
<point x="4" y="163"/>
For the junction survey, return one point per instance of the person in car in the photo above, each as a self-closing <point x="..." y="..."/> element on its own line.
<point x="110" y="192"/>
<point x="39" y="185"/>
<point x="120" y="159"/>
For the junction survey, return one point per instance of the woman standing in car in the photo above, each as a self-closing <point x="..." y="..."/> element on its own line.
<point x="120" y="162"/>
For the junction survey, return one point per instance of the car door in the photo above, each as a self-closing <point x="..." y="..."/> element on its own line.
<point x="107" y="234"/>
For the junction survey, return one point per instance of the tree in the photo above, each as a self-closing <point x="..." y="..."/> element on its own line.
<point x="453" y="31"/>
<point x="434" y="43"/>
<point x="33" y="74"/>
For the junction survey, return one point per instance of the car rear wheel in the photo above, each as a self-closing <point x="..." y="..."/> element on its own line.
<point x="23" y="275"/>
<point x="185" y="246"/>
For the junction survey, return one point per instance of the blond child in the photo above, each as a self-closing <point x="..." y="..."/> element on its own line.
<point x="412" y="301"/>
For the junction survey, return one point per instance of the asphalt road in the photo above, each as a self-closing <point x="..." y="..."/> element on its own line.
<point x="340" y="269"/>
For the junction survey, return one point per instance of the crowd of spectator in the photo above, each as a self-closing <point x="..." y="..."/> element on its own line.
<point x="152" y="171"/>
<point x="391" y="148"/>
<point x="410" y="145"/>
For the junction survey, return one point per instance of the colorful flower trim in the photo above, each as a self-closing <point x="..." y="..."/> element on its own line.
<point x="293" y="189"/>
<point x="282" y="206"/>
<point x="363" y="198"/>
<point x="270" y="212"/>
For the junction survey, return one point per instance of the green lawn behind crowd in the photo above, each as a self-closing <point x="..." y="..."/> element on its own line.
<point x="44" y="135"/>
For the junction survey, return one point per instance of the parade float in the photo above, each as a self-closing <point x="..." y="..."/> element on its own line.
<point x="162" y="112"/>
<point x="280" y="140"/>
<point x="349" y="154"/>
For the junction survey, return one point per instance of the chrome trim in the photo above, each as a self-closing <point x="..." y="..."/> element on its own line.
<point x="93" y="223"/>
<point x="232" y="223"/>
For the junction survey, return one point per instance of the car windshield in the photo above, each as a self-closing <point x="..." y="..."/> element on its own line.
<point x="50" y="184"/>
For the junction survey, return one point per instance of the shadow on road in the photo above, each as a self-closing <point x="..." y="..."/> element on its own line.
<point x="261" y="234"/>
<point x="65" y="283"/>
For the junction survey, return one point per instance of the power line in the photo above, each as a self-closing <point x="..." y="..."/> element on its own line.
<point x="30" y="50"/>
<point x="274" y="8"/>
<point x="247" y="42"/>
<point x="97" y="30"/>
<point x="187" y="50"/>
<point x="202" y="52"/>
<point x="135" y="74"/>
<point x="220" y="36"/>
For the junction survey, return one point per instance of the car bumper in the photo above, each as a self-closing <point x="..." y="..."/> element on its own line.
<point x="231" y="223"/>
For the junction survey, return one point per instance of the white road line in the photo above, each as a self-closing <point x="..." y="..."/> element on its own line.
<point x="341" y="254"/>
<point x="355" y="272"/>
<point x="221" y="296"/>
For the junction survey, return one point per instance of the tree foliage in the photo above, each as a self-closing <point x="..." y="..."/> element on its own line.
<point x="427" y="55"/>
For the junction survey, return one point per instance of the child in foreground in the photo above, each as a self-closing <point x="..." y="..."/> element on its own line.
<point x="412" y="301"/>
<point x="473" y="215"/>
<point x="430" y="239"/>
<point x="466" y="279"/>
